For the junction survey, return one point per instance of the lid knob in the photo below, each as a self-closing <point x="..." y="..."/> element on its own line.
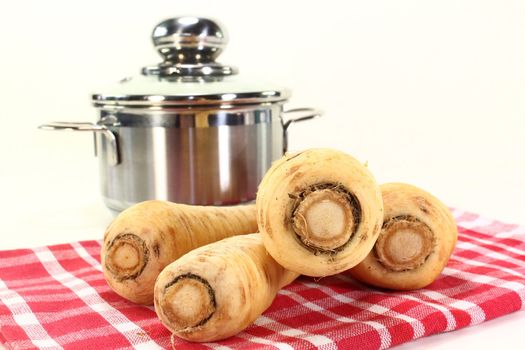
<point x="189" y="40"/>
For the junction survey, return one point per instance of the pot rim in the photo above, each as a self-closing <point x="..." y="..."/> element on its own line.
<point x="212" y="100"/>
<point x="191" y="117"/>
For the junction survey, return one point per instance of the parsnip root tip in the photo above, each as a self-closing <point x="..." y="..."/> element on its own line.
<point x="404" y="243"/>
<point x="188" y="302"/>
<point x="325" y="217"/>
<point x="126" y="256"/>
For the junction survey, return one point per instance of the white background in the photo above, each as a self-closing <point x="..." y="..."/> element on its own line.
<point x="428" y="92"/>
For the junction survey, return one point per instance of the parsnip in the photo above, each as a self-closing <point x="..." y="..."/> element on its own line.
<point x="146" y="237"/>
<point x="415" y="243"/>
<point x="319" y="211"/>
<point x="218" y="290"/>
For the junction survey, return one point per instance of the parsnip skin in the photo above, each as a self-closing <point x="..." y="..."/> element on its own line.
<point x="146" y="237"/>
<point x="319" y="211"/>
<point x="218" y="290"/>
<point x="417" y="239"/>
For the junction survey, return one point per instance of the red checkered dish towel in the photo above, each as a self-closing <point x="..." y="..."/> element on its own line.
<point x="56" y="296"/>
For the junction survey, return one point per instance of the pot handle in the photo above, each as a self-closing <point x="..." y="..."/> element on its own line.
<point x="301" y="115"/>
<point x="113" y="154"/>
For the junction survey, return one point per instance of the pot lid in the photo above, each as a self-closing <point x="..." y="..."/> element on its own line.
<point x="189" y="74"/>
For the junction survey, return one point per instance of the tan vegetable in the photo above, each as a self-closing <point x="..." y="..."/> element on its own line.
<point x="416" y="241"/>
<point x="146" y="237"/>
<point x="218" y="290"/>
<point x="319" y="211"/>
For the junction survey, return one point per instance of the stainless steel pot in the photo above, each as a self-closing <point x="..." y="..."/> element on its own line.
<point x="188" y="130"/>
